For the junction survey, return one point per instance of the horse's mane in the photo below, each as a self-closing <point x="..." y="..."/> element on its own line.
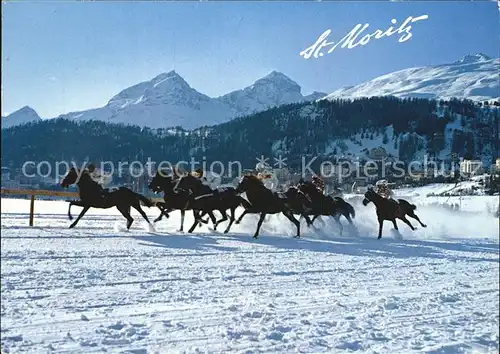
<point x="372" y="192"/>
<point x="253" y="178"/>
<point x="85" y="176"/>
<point x="309" y="184"/>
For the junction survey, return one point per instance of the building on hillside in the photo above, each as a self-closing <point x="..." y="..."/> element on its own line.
<point x="471" y="167"/>
<point x="377" y="154"/>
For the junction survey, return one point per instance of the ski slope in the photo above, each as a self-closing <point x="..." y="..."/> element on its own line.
<point x="96" y="288"/>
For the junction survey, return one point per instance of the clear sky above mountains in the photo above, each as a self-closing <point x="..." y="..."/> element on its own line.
<point x="60" y="57"/>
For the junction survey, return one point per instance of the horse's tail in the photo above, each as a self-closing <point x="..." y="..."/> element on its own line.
<point x="245" y="203"/>
<point x="147" y="202"/>
<point x="351" y="210"/>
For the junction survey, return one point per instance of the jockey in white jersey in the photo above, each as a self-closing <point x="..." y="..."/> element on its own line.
<point x="265" y="174"/>
<point x="382" y="188"/>
<point x="100" y="177"/>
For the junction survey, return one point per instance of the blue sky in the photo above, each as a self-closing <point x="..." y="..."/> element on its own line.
<point x="59" y="57"/>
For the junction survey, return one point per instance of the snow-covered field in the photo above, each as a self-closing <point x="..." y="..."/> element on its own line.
<point x="484" y="204"/>
<point x="98" y="289"/>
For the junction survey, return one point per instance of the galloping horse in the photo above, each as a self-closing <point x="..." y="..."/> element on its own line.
<point x="264" y="201"/>
<point x="91" y="197"/>
<point x="206" y="200"/>
<point x="390" y="209"/>
<point x="323" y="205"/>
<point x="298" y="202"/>
<point x="179" y="199"/>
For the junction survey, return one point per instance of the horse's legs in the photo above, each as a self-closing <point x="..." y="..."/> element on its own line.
<point x="214" y="220"/>
<point x="163" y="211"/>
<point x="69" y="209"/>
<point x="347" y="216"/>
<point x="290" y="217"/>
<point x="305" y="216"/>
<point x="407" y="222"/>
<point x="159" y="217"/>
<point x="201" y="220"/>
<point x="395" y="224"/>
<point x="336" y="217"/>
<point x="183" y="212"/>
<point x="231" y="220"/>
<point x="412" y="214"/>
<point x="380" y="224"/>
<point x="143" y="214"/>
<point x="82" y="213"/>
<point x="261" y="219"/>
<point x="196" y="220"/>
<point x="126" y="214"/>
<point x="224" y="218"/>
<point x="241" y="216"/>
<point x="74" y="202"/>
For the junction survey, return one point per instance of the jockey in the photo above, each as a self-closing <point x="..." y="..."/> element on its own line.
<point x="318" y="182"/>
<point x="100" y="178"/>
<point x="261" y="171"/>
<point x="383" y="189"/>
<point x="198" y="173"/>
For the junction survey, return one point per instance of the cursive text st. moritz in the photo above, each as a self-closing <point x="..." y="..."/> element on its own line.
<point x="352" y="40"/>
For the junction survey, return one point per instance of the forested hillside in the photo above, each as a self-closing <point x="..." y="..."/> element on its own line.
<point x="406" y="128"/>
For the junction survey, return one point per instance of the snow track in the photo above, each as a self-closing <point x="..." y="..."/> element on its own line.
<point x="92" y="289"/>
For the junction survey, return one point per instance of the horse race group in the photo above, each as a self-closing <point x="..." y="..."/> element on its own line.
<point x="188" y="192"/>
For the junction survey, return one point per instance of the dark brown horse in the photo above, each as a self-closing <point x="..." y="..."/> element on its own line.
<point x="390" y="209"/>
<point x="180" y="199"/>
<point x="323" y="205"/>
<point x="206" y="200"/>
<point x="93" y="196"/>
<point x="264" y="201"/>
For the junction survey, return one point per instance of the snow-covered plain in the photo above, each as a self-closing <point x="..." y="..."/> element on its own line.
<point x="99" y="289"/>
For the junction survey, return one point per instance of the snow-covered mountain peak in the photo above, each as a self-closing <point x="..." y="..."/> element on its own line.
<point x="278" y="80"/>
<point x="272" y="90"/>
<point x="473" y="58"/>
<point x="26" y="110"/>
<point x="163" y="76"/>
<point x="474" y="77"/>
<point x="164" y="88"/>
<point x="21" y="116"/>
<point x="171" y="80"/>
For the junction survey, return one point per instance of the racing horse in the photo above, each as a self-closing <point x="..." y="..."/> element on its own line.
<point x="179" y="199"/>
<point x="325" y="205"/>
<point x="91" y="196"/>
<point x="264" y="201"/>
<point x="390" y="209"/>
<point x="298" y="201"/>
<point x="206" y="200"/>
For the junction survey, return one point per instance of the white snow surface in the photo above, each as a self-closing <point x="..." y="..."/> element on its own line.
<point x="474" y="77"/>
<point x="97" y="288"/>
